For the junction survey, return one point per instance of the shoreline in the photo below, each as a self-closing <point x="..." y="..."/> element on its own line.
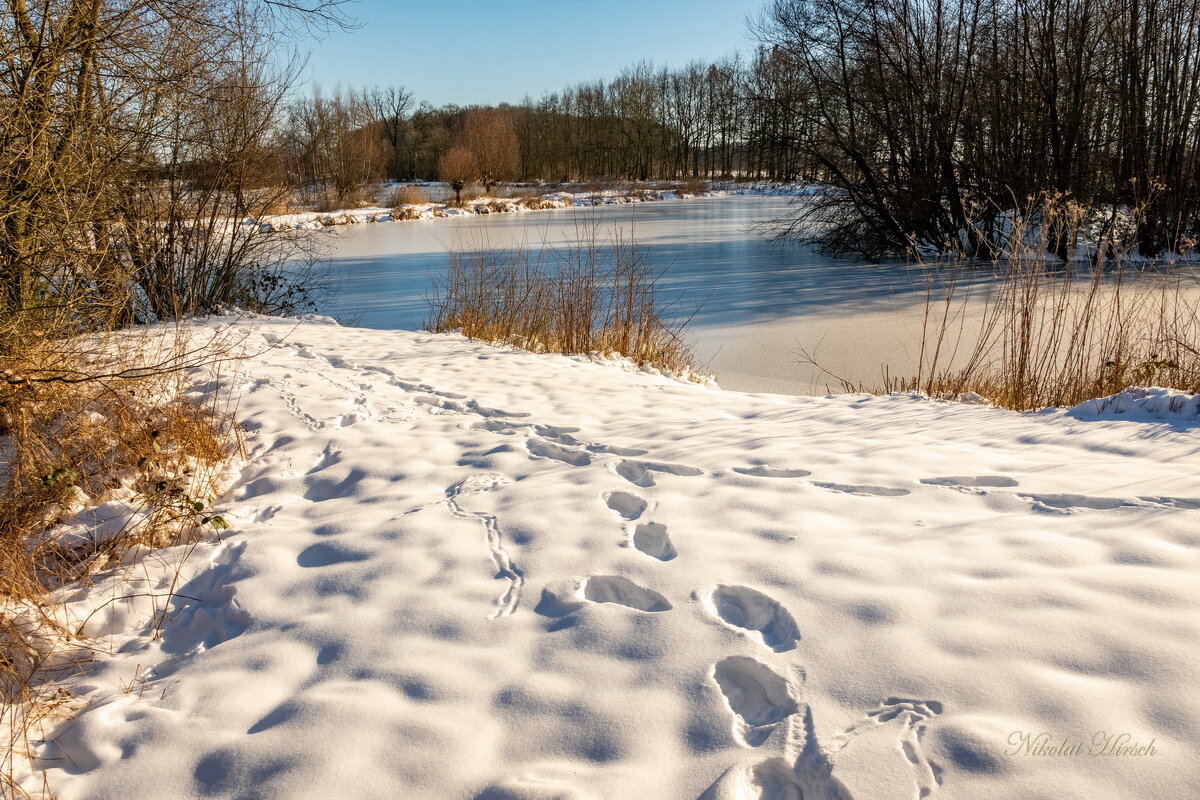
<point x="318" y="220"/>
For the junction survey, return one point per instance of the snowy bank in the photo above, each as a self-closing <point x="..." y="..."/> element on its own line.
<point x="458" y="571"/>
<point x="315" y="220"/>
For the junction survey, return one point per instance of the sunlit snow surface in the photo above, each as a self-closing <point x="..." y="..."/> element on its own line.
<point x="457" y="571"/>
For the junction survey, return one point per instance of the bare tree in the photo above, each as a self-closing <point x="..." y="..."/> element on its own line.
<point x="489" y="134"/>
<point x="389" y="108"/>
<point x="458" y="167"/>
<point x="134" y="133"/>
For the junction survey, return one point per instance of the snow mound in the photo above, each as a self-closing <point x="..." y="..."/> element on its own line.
<point x="1141" y="404"/>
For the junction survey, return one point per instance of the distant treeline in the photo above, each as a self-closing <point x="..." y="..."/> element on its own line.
<point x="729" y="118"/>
<point x="930" y="118"/>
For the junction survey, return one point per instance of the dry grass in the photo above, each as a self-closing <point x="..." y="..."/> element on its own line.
<point x="71" y="440"/>
<point x="1026" y="332"/>
<point x="273" y="202"/>
<point x="691" y="187"/>
<point x="327" y="200"/>
<point x="597" y="296"/>
<point x="409" y="195"/>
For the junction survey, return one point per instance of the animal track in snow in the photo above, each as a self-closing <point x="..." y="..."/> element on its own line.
<point x="506" y="568"/>
<point x="770" y="472"/>
<point x="972" y="482"/>
<point x="759" y="698"/>
<point x="627" y="504"/>
<point x="652" y="539"/>
<point x="639" y="472"/>
<point x="622" y="591"/>
<point x="899" y="720"/>
<point x="752" y="611"/>
<point x="283" y="385"/>
<point x="869" y="491"/>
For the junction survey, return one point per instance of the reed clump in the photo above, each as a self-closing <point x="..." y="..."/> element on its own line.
<point x="1030" y="331"/>
<point x="408" y="195"/>
<point x="593" y="296"/>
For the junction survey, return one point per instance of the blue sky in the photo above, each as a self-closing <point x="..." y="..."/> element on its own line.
<point x="489" y="51"/>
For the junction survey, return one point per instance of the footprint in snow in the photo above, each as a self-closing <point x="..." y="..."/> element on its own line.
<point x="773" y="779"/>
<point x="567" y="596"/>
<point x="531" y="789"/>
<point x="972" y="482"/>
<point x="542" y="449"/>
<point x="769" y="472"/>
<point x="652" y="539"/>
<point x="628" y="505"/>
<point x="754" y="613"/>
<point x="759" y="698"/>
<point x="879" y="758"/>
<point x="412" y="386"/>
<point x="613" y="450"/>
<point x="639" y="473"/>
<point x="1070" y="502"/>
<point x="867" y="491"/>
<point x="324" y="554"/>
<point x="624" y="592"/>
<point x="1189" y="503"/>
<point x="328" y="458"/>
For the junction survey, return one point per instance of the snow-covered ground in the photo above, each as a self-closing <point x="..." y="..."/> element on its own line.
<point x="458" y="571"/>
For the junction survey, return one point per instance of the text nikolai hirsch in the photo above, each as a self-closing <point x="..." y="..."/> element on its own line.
<point x="1023" y="743"/>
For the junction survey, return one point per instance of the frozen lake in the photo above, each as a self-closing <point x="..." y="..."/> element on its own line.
<point x="759" y="302"/>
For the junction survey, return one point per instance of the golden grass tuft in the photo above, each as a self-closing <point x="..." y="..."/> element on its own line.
<point x="591" y="297"/>
<point x="409" y="195"/>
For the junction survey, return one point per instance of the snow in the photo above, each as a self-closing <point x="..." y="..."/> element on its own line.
<point x="461" y="571"/>
<point x="316" y="220"/>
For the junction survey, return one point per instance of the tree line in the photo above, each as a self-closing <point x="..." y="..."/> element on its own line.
<point x="724" y="119"/>
<point x="931" y="121"/>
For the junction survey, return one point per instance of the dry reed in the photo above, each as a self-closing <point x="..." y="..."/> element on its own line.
<point x="1028" y="332"/>
<point x="593" y="296"/>
<point x="408" y="195"/>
